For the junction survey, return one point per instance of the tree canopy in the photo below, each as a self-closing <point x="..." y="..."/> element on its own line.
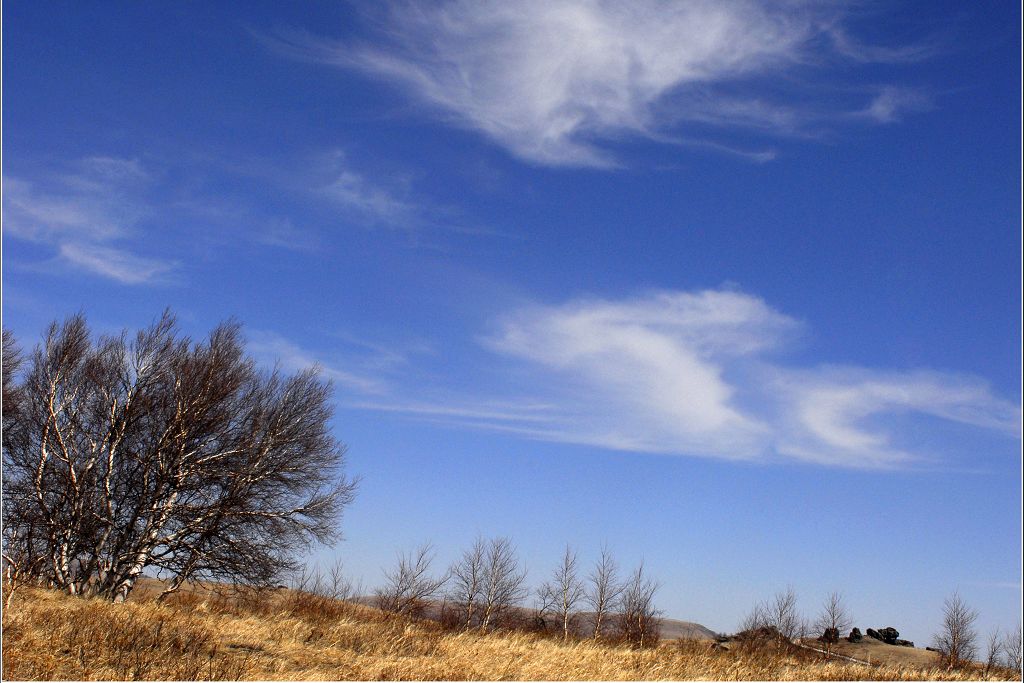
<point x="128" y="452"/>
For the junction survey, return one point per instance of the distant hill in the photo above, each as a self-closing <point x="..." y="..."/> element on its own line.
<point x="671" y="629"/>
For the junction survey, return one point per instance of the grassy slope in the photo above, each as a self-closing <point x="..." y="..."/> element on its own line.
<point x="876" y="651"/>
<point x="295" y="636"/>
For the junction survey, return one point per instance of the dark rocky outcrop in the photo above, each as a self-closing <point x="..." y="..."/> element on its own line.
<point x="829" y="635"/>
<point x="886" y="635"/>
<point x="760" y="633"/>
<point x="855" y="635"/>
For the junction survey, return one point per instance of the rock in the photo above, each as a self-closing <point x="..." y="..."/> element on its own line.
<point x="760" y="633"/>
<point x="904" y="643"/>
<point x="830" y="635"/>
<point x="886" y="635"/>
<point x="933" y="649"/>
<point x="855" y="635"/>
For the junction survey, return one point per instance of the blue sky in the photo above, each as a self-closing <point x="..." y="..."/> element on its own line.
<point x="731" y="287"/>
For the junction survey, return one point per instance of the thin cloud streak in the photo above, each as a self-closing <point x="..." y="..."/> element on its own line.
<point x="116" y="264"/>
<point x="88" y="216"/>
<point x="273" y="348"/>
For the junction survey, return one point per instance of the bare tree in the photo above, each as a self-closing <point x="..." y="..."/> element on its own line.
<point x="957" y="640"/>
<point x="638" y="619"/>
<point x="604" y="589"/>
<point x="993" y="650"/>
<point x="467" y="576"/>
<point x="1012" y="649"/>
<point x="778" y="616"/>
<point x="156" y="451"/>
<point x="561" y="596"/>
<point x="503" y="582"/>
<point x="409" y="587"/>
<point x="782" y="614"/>
<point x="332" y="584"/>
<point x="12" y="394"/>
<point x="754" y="620"/>
<point x="833" y="619"/>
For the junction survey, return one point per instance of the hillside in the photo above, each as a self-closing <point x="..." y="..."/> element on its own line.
<point x="287" y="635"/>
<point x="671" y="629"/>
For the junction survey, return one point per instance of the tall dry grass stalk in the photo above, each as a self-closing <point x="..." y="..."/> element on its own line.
<point x="288" y="635"/>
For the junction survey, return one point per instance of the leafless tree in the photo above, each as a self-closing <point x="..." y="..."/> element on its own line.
<point x="331" y="583"/>
<point x="503" y="584"/>
<point x="467" y="579"/>
<point x="782" y="614"/>
<point x="560" y="597"/>
<point x="12" y="394"/>
<point x="409" y="587"/>
<point x="1012" y="649"/>
<point x="754" y="620"/>
<point x="604" y="589"/>
<point x="638" y="620"/>
<point x="779" y="616"/>
<point x="832" y="621"/>
<point x="156" y="451"/>
<point x="993" y="650"/>
<point x="957" y="640"/>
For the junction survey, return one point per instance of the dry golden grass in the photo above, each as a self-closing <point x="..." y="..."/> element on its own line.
<point x="288" y="636"/>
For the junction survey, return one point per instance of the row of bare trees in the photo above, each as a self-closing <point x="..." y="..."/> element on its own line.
<point x="486" y="588"/>
<point x="957" y="640"/>
<point x="153" y="451"/>
<point x="959" y="644"/>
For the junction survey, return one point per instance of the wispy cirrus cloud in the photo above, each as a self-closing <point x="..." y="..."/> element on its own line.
<point x="373" y="201"/>
<point x="891" y="104"/>
<point x="273" y="348"/>
<point x="88" y="214"/>
<point x="116" y="264"/>
<point x="557" y="81"/>
<point x="697" y="374"/>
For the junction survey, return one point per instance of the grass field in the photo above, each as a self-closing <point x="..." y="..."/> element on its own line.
<point x="286" y="635"/>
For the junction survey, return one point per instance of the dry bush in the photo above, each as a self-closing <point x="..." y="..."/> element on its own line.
<point x="297" y="637"/>
<point x="90" y="639"/>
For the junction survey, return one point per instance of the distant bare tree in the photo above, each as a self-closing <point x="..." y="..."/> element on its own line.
<point x="832" y="621"/>
<point x="783" y="615"/>
<point x="409" y="587"/>
<point x="957" y="640"/>
<point x="993" y="651"/>
<point x="638" y="619"/>
<point x="503" y="581"/>
<point x="1012" y="649"/>
<point x="753" y="620"/>
<point x="603" y="590"/>
<point x="778" y="615"/>
<point x="331" y="584"/>
<point x="561" y="596"/>
<point x="124" y="453"/>
<point x="467" y="578"/>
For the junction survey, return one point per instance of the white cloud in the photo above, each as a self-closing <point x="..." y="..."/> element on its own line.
<point x="372" y="203"/>
<point x="274" y="348"/>
<point x="550" y="80"/>
<point x="649" y="373"/>
<point x="87" y="215"/>
<point x="826" y="411"/>
<point x="115" y="264"/>
<point x="891" y="104"/>
<point x="388" y="200"/>
<point x="695" y="373"/>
